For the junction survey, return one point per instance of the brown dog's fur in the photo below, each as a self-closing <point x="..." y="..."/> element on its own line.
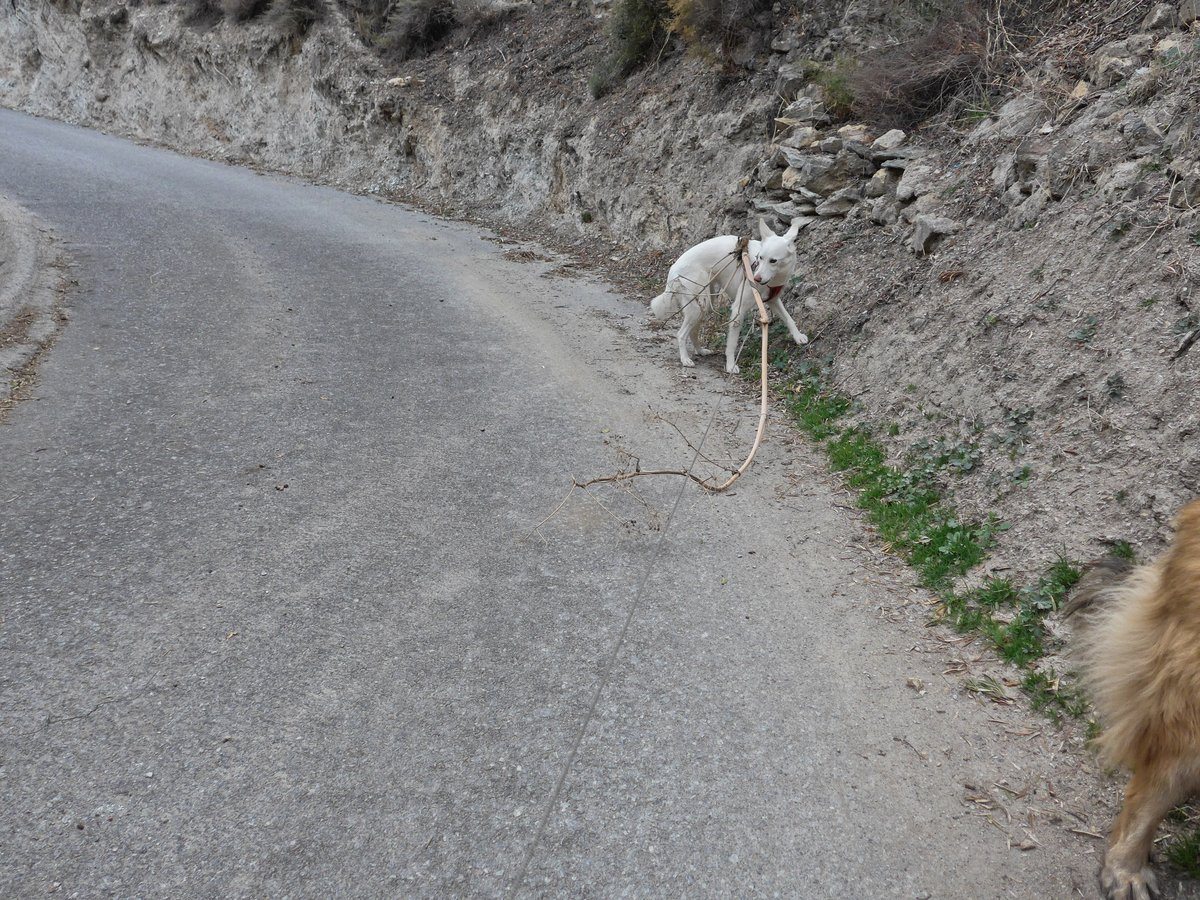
<point x="1138" y="642"/>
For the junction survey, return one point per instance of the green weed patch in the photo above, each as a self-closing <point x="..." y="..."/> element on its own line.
<point x="917" y="519"/>
<point x="905" y="504"/>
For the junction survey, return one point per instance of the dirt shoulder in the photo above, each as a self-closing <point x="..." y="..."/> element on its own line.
<point x="32" y="283"/>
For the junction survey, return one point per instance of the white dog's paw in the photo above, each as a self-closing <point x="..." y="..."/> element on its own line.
<point x="802" y="339"/>
<point x="733" y="368"/>
<point x="687" y="363"/>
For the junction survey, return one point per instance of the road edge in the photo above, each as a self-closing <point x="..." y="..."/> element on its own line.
<point x="33" y="284"/>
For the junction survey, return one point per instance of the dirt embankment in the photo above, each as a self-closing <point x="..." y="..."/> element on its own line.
<point x="1013" y="287"/>
<point x="503" y="128"/>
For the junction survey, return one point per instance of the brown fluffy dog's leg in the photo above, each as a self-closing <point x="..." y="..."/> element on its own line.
<point x="1153" y="791"/>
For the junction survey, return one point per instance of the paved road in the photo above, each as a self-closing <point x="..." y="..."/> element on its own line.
<point x="274" y="624"/>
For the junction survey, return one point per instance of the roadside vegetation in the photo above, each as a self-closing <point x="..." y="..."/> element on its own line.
<point x="938" y="53"/>
<point x="913" y="510"/>
<point x="639" y="31"/>
<point x="636" y="31"/>
<point x="911" y="505"/>
<point x="944" y="56"/>
<point x="291" y="18"/>
<point x="1183" y="849"/>
<point x="405" y="29"/>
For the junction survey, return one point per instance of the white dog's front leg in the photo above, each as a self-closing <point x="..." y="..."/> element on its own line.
<point x="780" y="310"/>
<point x="685" y="338"/>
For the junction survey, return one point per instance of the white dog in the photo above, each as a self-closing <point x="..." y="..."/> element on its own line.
<point x="714" y="268"/>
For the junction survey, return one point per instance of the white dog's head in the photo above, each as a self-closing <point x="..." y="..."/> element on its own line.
<point x="775" y="259"/>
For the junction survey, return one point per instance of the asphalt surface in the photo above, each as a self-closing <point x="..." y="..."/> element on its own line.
<point x="274" y="622"/>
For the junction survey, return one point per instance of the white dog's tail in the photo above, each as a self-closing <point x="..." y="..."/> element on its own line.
<point x="664" y="305"/>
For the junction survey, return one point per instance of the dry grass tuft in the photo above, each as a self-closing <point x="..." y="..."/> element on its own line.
<point x="414" y="27"/>
<point x="201" y="12"/>
<point x="910" y="81"/>
<point x="403" y="29"/>
<point x="243" y="10"/>
<point x="956" y="52"/>
<point x="720" y="22"/>
<point x="636" y="31"/>
<point x="294" y="17"/>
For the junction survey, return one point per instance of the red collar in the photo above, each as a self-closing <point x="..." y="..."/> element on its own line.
<point x="775" y="292"/>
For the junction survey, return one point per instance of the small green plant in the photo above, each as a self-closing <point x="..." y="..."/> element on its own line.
<point x="893" y="429"/>
<point x="1187" y="323"/>
<point x="817" y="412"/>
<point x="1115" y="386"/>
<point x="585" y="217"/>
<point x="1016" y="431"/>
<point x="913" y="514"/>
<point x="931" y="456"/>
<point x="1147" y="302"/>
<point x="1184" y="852"/>
<point x="1062" y="576"/>
<point x="1124" y="550"/>
<point x="1172" y="60"/>
<point x="1085" y="332"/>
<point x="1022" y="475"/>
<point x="974" y="113"/>
<point x="835" y="82"/>
<point x="1049" y="302"/>
<point x="1047" y="694"/>
<point x="1013" y="621"/>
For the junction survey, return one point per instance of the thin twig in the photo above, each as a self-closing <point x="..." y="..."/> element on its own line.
<point x="1187" y="343"/>
<point x="561" y="504"/>
<point x="627" y="476"/>
<point x="707" y="459"/>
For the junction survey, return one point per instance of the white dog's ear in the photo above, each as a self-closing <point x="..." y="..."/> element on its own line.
<point x="793" y="232"/>
<point x="764" y="231"/>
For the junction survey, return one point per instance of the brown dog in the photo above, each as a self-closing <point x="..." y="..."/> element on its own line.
<point x="1137" y="637"/>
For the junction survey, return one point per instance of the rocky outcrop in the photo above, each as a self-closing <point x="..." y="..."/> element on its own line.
<point x="1027" y="289"/>
<point x="834" y="172"/>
